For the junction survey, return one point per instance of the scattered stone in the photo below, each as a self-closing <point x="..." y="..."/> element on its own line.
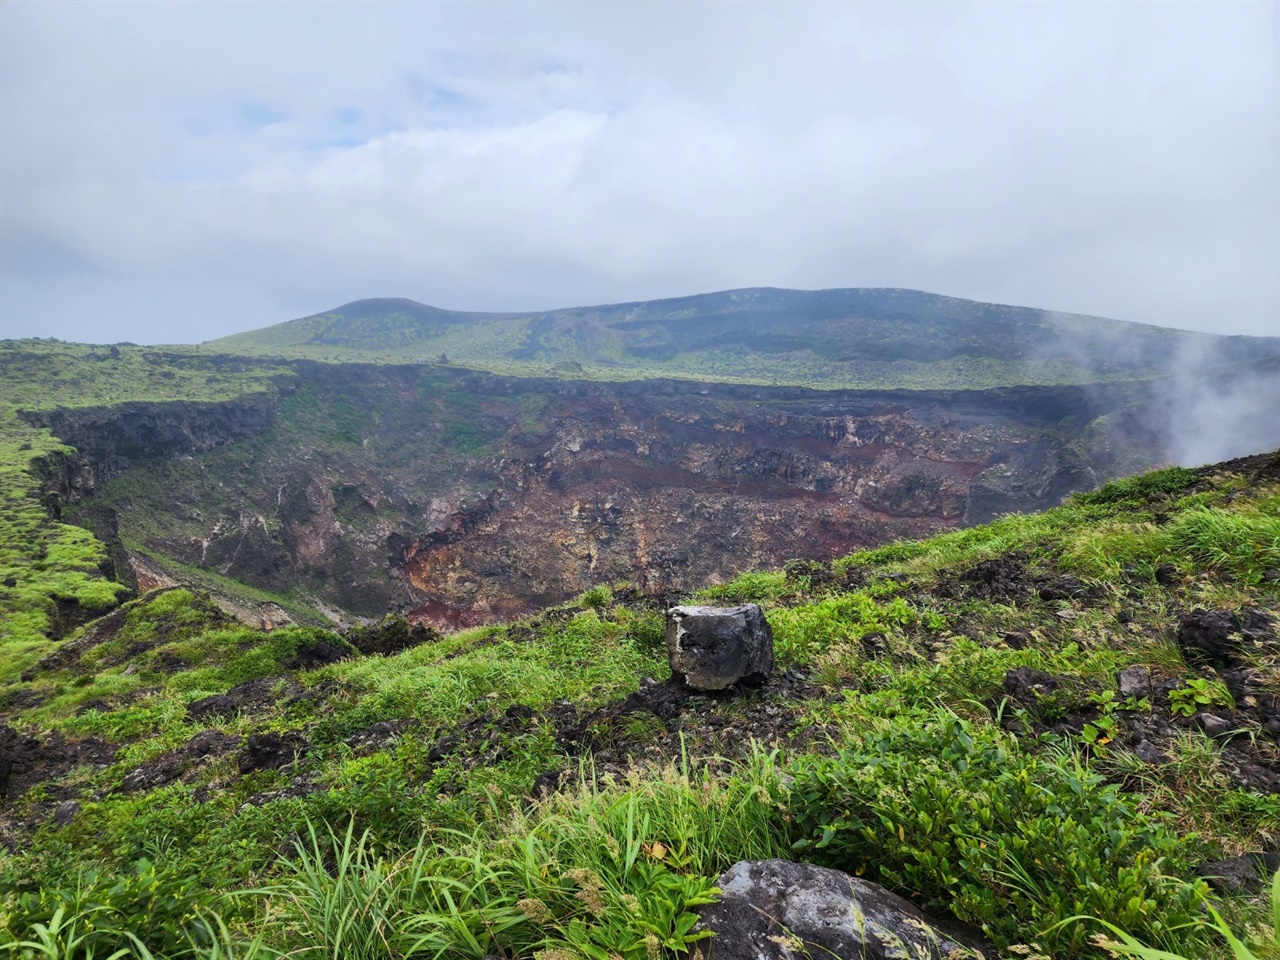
<point x="1221" y="636"/>
<point x="1262" y="777"/>
<point x="302" y="787"/>
<point x="1213" y="725"/>
<point x="1062" y="588"/>
<point x="66" y="812"/>
<point x="1017" y="639"/>
<point x="1134" y="682"/>
<point x="1002" y="579"/>
<point x="1241" y="875"/>
<point x="265" y="693"/>
<point x="170" y="766"/>
<point x="776" y="910"/>
<point x="269" y="751"/>
<point x="320" y="653"/>
<point x="817" y="573"/>
<point x="1271" y="576"/>
<point x="1027" y="684"/>
<point x="15" y="752"/>
<point x="26" y="761"/>
<point x="1167" y="575"/>
<point x="711" y="648"/>
<point x="253" y="696"/>
<point x="218" y="705"/>
<point x="1148" y="752"/>
<point x="377" y="736"/>
<point x="154" y="773"/>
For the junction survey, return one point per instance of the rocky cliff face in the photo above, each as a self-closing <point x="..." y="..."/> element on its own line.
<point x="110" y="438"/>
<point x="692" y="487"/>
<point x="464" y="497"/>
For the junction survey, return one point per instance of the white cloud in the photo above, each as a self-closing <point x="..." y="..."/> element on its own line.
<point x="248" y="163"/>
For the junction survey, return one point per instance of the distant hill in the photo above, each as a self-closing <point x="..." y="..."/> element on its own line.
<point x="861" y="337"/>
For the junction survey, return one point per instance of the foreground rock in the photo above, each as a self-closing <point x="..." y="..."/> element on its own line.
<point x="1226" y="637"/>
<point x="776" y="910"/>
<point x="711" y="648"/>
<point x="1241" y="875"/>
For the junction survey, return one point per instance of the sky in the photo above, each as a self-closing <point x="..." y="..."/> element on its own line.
<point x="171" y="173"/>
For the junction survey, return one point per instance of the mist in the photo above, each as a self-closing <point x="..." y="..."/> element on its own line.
<point x="1215" y="412"/>
<point x="186" y="171"/>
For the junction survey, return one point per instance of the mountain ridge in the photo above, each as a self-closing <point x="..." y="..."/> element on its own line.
<point x="838" y="337"/>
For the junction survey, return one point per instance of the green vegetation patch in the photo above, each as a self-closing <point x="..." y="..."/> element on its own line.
<point x="485" y="793"/>
<point x="50" y="572"/>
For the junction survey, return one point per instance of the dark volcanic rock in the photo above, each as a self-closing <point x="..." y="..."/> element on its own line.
<point x="154" y="773"/>
<point x="1134" y="681"/>
<point x="1000" y="580"/>
<point x="390" y="635"/>
<point x="26" y="761"/>
<point x="776" y="910"/>
<point x="319" y="653"/>
<point x="252" y="696"/>
<point x="17" y="755"/>
<point x="1246" y="874"/>
<point x="302" y="787"/>
<point x="1027" y="684"/>
<point x="1221" y="636"/>
<point x="1061" y="588"/>
<point x="169" y="767"/>
<point x="711" y="648"/>
<point x="268" y="751"/>
<point x="110" y="437"/>
<point x="1213" y="725"/>
<point x="66" y="812"/>
<point x="1148" y="752"/>
<point x="209" y="743"/>
<point x="218" y="705"/>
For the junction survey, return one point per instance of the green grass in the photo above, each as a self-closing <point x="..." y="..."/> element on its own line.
<point x="904" y="763"/>
<point x="869" y="339"/>
<point x="47" y="374"/>
<point x="42" y="562"/>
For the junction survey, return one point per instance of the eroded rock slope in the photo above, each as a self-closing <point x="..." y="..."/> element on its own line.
<point x="464" y="497"/>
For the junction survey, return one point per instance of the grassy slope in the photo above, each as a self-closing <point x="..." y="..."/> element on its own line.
<point x="51" y="562"/>
<point x="859" y="338"/>
<point x="898" y="757"/>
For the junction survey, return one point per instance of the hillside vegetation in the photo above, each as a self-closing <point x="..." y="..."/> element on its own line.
<point x="945" y="718"/>
<point x="854" y="338"/>
<point x="52" y="573"/>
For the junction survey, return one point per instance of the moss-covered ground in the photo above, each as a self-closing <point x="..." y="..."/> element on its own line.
<point x="51" y="573"/>
<point x="183" y="785"/>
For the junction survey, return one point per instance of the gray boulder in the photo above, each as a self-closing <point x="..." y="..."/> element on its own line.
<point x="1134" y="682"/>
<point x="711" y="648"/>
<point x="776" y="910"/>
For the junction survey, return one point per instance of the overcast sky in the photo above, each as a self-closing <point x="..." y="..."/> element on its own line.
<point x="177" y="172"/>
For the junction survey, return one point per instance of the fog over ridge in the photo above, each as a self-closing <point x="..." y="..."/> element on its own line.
<point x="204" y="169"/>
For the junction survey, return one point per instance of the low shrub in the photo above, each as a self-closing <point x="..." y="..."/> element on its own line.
<point x="144" y="907"/>
<point x="1167" y="481"/>
<point x="1005" y="838"/>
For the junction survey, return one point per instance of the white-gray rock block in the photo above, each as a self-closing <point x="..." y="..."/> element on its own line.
<point x="777" y="910"/>
<point x="711" y="648"/>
